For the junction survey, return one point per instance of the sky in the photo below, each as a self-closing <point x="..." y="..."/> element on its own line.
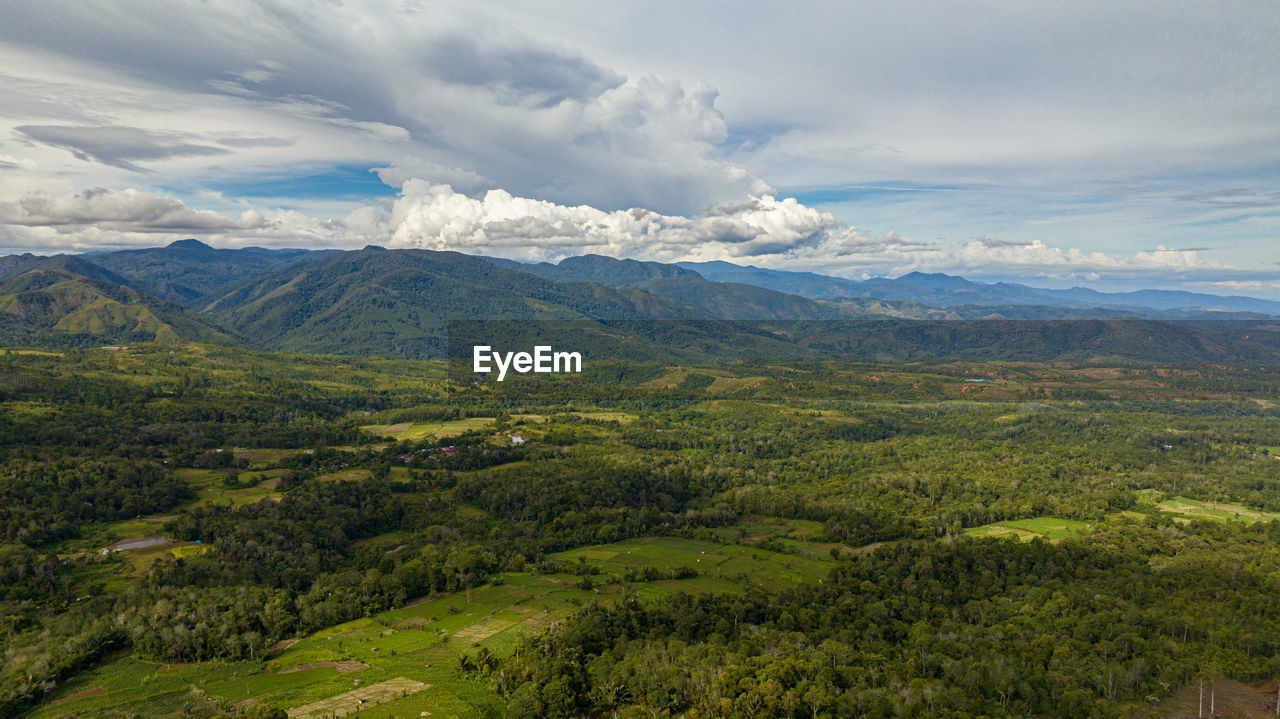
<point x="1111" y="145"/>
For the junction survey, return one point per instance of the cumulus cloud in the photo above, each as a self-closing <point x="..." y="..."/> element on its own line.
<point x="111" y="219"/>
<point x="573" y="104"/>
<point x="127" y="210"/>
<point x="765" y="231"/>
<point x="434" y="216"/>
<point x="444" y="93"/>
<point x="412" y="167"/>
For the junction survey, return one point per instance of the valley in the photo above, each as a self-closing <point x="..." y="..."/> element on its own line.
<point x="320" y="535"/>
<point x="634" y="360"/>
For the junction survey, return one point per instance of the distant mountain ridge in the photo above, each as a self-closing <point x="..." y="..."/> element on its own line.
<point x="191" y="273"/>
<point x="723" y="299"/>
<point x="947" y="291"/>
<point x="1091" y="340"/>
<point x="805" y="284"/>
<point x="14" y="265"/>
<point x="403" y="302"/>
<point x="607" y="271"/>
<point x="54" y="305"/>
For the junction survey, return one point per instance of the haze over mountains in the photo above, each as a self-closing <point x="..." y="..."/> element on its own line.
<point x="400" y="302"/>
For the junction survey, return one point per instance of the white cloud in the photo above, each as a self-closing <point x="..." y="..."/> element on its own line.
<point x="1036" y="107"/>
<point x="765" y="231"/>
<point x="118" y="210"/>
<point x="436" y="217"/>
<point x="412" y="167"/>
<point x="109" y="219"/>
<point x="982" y="254"/>
<point x="1238" y="286"/>
<point x="445" y="94"/>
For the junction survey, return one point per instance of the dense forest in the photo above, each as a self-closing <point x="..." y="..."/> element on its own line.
<point x="816" y="539"/>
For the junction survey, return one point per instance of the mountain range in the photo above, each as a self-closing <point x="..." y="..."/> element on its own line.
<point x="949" y="291"/>
<point x="402" y="303"/>
<point x="68" y="301"/>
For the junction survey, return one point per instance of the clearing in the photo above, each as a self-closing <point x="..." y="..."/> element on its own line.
<point x="406" y="660"/>
<point x="1050" y="528"/>
<point x="1217" y="511"/>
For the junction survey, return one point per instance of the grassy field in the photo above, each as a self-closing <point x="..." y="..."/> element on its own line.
<point x="1051" y="528"/>
<point x="422" y="430"/>
<point x="735" y="566"/>
<point x="404" y="662"/>
<point x="619" y="417"/>
<point x="797" y="536"/>
<point x="263" y="457"/>
<point x="345" y="475"/>
<point x="209" y="487"/>
<point x="733" y="384"/>
<point x="1218" y="511"/>
<point x="133" y="528"/>
<point x="135" y="562"/>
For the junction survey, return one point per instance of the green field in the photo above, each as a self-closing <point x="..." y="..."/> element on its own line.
<point x="423" y="641"/>
<point x="209" y="487"/>
<point x="695" y="501"/>
<point x="1051" y="528"/>
<point x="796" y="536"/>
<point x="141" y="527"/>
<point x="262" y="457"/>
<point x="736" y="564"/>
<point x="422" y="430"/>
<point x="733" y="384"/>
<point x="1218" y="511"/>
<point x="346" y="475"/>
<point x="620" y="417"/>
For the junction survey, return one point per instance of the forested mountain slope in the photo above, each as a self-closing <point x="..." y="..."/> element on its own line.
<point x="1076" y="340"/>
<point x="59" y="307"/>
<point x="192" y="273"/>
<point x="400" y="301"/>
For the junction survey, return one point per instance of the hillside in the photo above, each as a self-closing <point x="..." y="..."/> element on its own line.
<point x="805" y="284"/>
<point x="191" y="273"/>
<point x="1076" y="340"/>
<point x="14" y="265"/>
<point x="737" y="302"/>
<point x="58" y="307"/>
<point x="400" y="302"/>
<point x="725" y="299"/>
<point x="943" y="291"/>
<point x="403" y="303"/>
<point x="607" y="271"/>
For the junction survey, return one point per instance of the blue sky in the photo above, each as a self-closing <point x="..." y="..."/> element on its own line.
<point x="1117" y="145"/>
<point x="339" y="183"/>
